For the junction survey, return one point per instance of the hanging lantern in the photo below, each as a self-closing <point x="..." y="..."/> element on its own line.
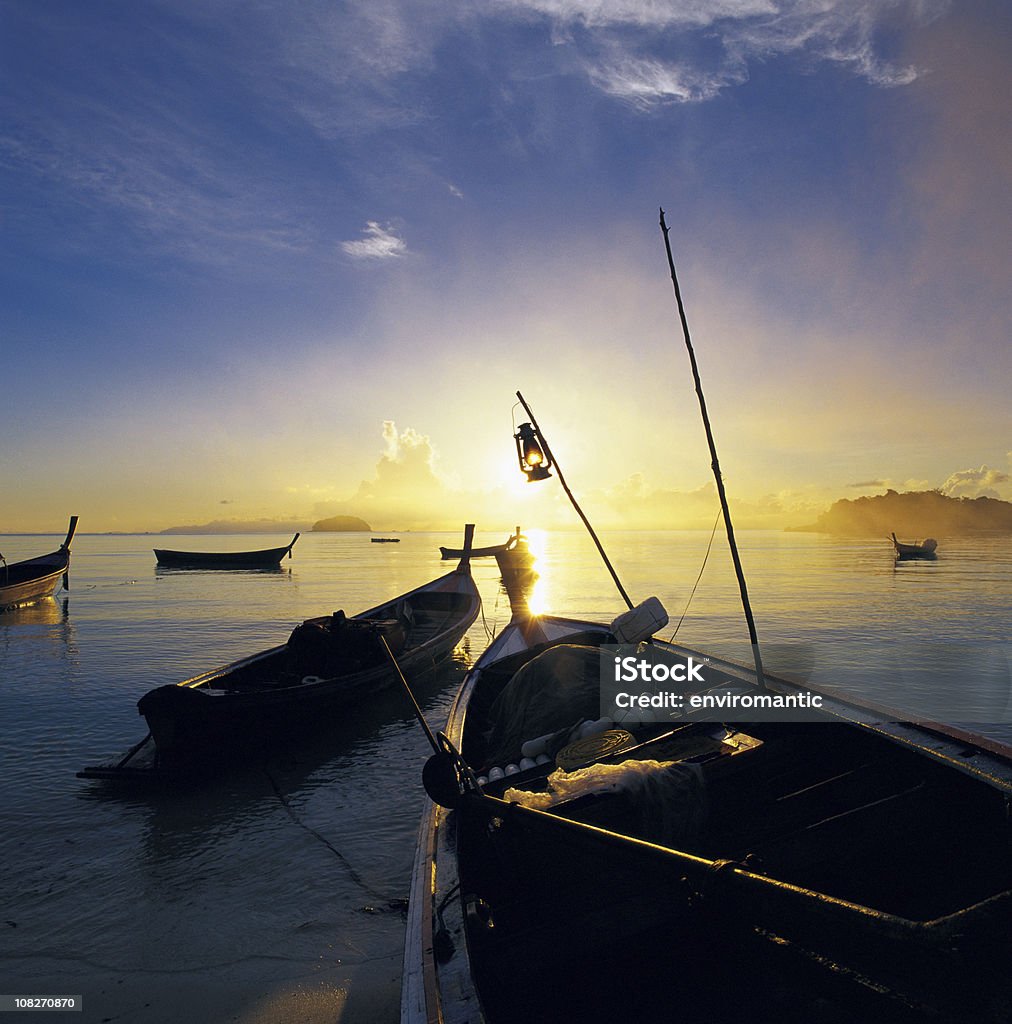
<point x="534" y="464"/>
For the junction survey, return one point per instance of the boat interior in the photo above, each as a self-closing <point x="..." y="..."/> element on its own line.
<point x="825" y="813"/>
<point x="336" y="645"/>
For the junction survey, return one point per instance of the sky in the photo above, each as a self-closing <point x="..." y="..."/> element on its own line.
<point x="267" y="263"/>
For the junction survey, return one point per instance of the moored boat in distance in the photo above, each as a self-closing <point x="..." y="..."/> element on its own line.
<point x="385" y="540"/>
<point x="264" y="559"/>
<point x="516" y="559"/>
<point x="926" y="549"/>
<point x="24" y="583"/>
<point x="327" y="664"/>
<point x="514" y="541"/>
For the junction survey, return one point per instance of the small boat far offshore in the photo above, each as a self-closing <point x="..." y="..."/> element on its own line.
<point x="267" y="558"/>
<point x="926" y="549"/>
<point x="34" y="579"/>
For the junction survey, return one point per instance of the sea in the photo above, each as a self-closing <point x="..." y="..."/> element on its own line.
<point x="274" y="892"/>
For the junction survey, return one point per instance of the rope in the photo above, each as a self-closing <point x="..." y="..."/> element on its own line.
<point x="489" y="632"/>
<point x="709" y="545"/>
<point x="356" y="877"/>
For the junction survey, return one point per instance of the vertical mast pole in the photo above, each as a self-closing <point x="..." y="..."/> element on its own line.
<point x="753" y="638"/>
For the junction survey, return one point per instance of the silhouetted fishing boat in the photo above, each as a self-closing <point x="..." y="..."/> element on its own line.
<point x="493" y="550"/>
<point x="847" y="869"/>
<point x="518" y="558"/>
<point x="26" y="582"/>
<point x="328" y="663"/>
<point x="265" y="559"/>
<point x="926" y="549"/>
<point x="385" y="540"/>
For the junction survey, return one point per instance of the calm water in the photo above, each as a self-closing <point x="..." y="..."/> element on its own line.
<point x="271" y="894"/>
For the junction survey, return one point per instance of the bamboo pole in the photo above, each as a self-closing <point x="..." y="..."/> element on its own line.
<point x="575" y="504"/>
<point x="753" y="638"/>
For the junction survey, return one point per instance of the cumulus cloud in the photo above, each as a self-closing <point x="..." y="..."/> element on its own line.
<point x="975" y="483"/>
<point x="378" y="242"/>
<point x="405" y="491"/>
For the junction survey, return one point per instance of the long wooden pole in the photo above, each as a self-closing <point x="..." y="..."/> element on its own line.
<point x="407" y="689"/>
<point x="753" y="638"/>
<point x="576" y="504"/>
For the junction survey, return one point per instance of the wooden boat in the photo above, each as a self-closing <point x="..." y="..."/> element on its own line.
<point x="926" y="549"/>
<point x="851" y="869"/>
<point x="26" y="582"/>
<point x="491" y="551"/>
<point x="386" y="540"/>
<point x="327" y="663"/>
<point x="518" y="558"/>
<point x="267" y="558"/>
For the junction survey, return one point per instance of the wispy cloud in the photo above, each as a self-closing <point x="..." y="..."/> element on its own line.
<point x="647" y="82"/>
<point x="652" y="14"/>
<point x="379" y="242"/>
<point x="649" y="52"/>
<point x="144" y="142"/>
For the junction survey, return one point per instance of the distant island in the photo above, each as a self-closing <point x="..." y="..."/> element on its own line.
<point x="342" y="523"/>
<point x="240" y="526"/>
<point x="914" y="512"/>
<point x="272" y="526"/>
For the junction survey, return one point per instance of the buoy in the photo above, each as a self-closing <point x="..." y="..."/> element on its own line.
<point x="531" y="748"/>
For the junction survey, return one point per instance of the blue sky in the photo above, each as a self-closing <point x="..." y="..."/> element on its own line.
<point x="281" y="260"/>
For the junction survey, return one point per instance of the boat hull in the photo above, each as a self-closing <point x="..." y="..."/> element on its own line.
<point x="35" y="579"/>
<point x="926" y="550"/>
<point x="277" y="694"/>
<point x="18" y="595"/>
<point x="850" y="869"/>
<point x="267" y="558"/>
